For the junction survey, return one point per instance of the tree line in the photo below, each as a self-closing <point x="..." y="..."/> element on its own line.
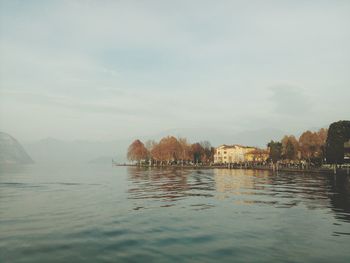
<point x="309" y="147"/>
<point x="171" y="150"/>
<point x="316" y="148"/>
<point x="325" y="145"/>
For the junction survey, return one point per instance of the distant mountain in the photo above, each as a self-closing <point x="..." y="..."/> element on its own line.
<point x="52" y="150"/>
<point x="11" y="152"/>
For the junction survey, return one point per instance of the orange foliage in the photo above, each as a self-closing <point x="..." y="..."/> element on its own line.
<point x="312" y="143"/>
<point x="169" y="149"/>
<point x="137" y="151"/>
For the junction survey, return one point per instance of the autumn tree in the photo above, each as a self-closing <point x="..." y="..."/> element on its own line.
<point x="150" y="144"/>
<point x="185" y="153"/>
<point x="307" y="142"/>
<point x="157" y="153"/>
<point x="208" y="155"/>
<point x="322" y="139"/>
<point x="137" y="151"/>
<point x="170" y="148"/>
<point x="322" y="136"/>
<point x="312" y="145"/>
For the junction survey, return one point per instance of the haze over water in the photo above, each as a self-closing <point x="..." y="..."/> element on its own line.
<point x="98" y="213"/>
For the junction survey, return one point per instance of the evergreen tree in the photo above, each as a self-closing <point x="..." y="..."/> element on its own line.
<point x="275" y="151"/>
<point x="338" y="134"/>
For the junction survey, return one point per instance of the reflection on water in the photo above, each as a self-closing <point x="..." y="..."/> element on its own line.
<point x="243" y="187"/>
<point x="169" y="185"/>
<point x="231" y="182"/>
<point x="340" y="196"/>
<point x="279" y="190"/>
<point x="101" y="213"/>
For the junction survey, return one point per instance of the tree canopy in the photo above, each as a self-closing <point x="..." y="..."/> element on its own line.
<point x="137" y="151"/>
<point x="309" y="147"/>
<point x="170" y="149"/>
<point x="338" y="134"/>
<point x="290" y="147"/>
<point x="275" y="151"/>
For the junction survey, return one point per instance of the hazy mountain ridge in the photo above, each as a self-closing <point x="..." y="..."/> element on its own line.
<point x="12" y="152"/>
<point x="60" y="151"/>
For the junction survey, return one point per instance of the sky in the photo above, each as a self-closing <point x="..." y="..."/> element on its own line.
<point x="103" y="70"/>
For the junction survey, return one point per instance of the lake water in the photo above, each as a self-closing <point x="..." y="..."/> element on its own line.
<point x="99" y="213"/>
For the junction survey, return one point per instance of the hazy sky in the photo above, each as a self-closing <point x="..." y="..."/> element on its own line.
<point x="105" y="70"/>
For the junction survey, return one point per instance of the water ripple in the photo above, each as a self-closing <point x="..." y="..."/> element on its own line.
<point x="172" y="215"/>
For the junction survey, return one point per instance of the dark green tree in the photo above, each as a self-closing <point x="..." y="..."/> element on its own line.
<point x="338" y="134"/>
<point x="290" y="147"/>
<point x="290" y="151"/>
<point x="275" y="151"/>
<point x="198" y="153"/>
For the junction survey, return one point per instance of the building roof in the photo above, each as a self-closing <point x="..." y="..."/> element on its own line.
<point x="225" y="146"/>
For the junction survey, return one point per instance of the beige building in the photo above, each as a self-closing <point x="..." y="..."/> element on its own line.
<point x="257" y="155"/>
<point x="232" y="153"/>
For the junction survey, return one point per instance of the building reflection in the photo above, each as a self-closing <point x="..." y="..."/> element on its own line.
<point x="243" y="187"/>
<point x="248" y="187"/>
<point x="238" y="181"/>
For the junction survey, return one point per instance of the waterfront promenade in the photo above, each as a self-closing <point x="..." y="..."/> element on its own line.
<point x="341" y="170"/>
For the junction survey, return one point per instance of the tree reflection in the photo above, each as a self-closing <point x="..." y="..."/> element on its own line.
<point x="283" y="190"/>
<point x="168" y="184"/>
<point x="149" y="186"/>
<point x="340" y="196"/>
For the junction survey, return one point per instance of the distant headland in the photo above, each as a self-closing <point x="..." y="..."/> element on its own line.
<point x="12" y="152"/>
<point x="312" y="150"/>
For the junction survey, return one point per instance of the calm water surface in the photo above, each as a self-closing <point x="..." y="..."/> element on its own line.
<point x="98" y="213"/>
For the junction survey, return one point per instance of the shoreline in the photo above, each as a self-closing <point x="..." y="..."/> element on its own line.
<point x="340" y="171"/>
